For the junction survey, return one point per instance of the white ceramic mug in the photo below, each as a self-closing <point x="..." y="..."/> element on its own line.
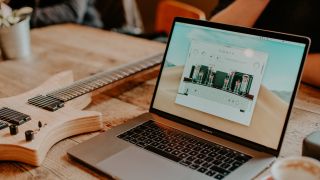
<point x="300" y="168"/>
<point x="15" y="40"/>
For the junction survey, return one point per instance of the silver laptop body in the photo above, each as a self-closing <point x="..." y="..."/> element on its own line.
<point x="177" y="108"/>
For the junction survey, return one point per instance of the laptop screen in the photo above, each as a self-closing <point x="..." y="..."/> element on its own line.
<point x="237" y="83"/>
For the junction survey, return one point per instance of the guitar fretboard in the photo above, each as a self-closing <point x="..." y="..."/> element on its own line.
<point x="55" y="99"/>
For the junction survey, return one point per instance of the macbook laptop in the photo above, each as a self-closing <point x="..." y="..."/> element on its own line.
<point x="219" y="110"/>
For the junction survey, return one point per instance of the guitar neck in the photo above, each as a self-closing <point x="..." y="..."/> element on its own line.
<point x="55" y="100"/>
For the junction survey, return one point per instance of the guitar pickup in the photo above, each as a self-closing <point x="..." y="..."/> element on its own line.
<point x="12" y="116"/>
<point x="46" y="102"/>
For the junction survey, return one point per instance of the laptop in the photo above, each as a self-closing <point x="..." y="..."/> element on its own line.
<point x="219" y="110"/>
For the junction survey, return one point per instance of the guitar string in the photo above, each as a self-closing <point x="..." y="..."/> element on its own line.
<point x="73" y="87"/>
<point x="82" y="90"/>
<point x="96" y="79"/>
<point x="119" y="71"/>
<point x="95" y="82"/>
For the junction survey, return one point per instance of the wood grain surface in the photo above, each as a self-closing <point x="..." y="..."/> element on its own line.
<point x="87" y="51"/>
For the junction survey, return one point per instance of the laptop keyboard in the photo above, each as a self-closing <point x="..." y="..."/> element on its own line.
<point x="198" y="154"/>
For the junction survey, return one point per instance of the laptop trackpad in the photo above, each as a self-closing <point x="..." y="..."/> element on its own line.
<point x="135" y="164"/>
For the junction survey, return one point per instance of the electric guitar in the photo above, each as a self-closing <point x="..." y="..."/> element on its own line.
<point x="32" y="122"/>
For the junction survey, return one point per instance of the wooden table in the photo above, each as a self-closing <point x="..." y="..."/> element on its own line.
<point x="87" y="51"/>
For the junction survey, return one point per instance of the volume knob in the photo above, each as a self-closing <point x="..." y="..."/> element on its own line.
<point x="13" y="129"/>
<point x="29" y="135"/>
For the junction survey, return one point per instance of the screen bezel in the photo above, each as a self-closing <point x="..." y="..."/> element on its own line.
<point x="251" y="31"/>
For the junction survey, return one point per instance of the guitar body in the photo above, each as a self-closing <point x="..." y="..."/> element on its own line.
<point x="62" y="123"/>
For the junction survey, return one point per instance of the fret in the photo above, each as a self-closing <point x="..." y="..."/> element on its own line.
<point x="130" y="71"/>
<point x="64" y="93"/>
<point x="135" y="69"/>
<point x="124" y="73"/>
<point x="72" y="91"/>
<point x="62" y="96"/>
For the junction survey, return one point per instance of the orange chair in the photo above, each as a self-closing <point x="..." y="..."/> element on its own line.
<point x="169" y="9"/>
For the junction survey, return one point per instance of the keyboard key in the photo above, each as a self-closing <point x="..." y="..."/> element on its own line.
<point x="219" y="176"/>
<point x="158" y="139"/>
<point x="178" y="147"/>
<point x="222" y="152"/>
<point x="190" y="146"/>
<point x="242" y="158"/>
<point x="201" y="156"/>
<point x="142" y="127"/>
<point x="227" y="160"/>
<point x="191" y="140"/>
<point x="232" y="168"/>
<point x="176" y="153"/>
<point x="186" y="150"/>
<point x="154" y="144"/>
<point x="191" y="158"/>
<point x="193" y="153"/>
<point x="236" y="163"/>
<point x="209" y="159"/>
<point x="194" y="166"/>
<point x="198" y="161"/>
<point x="141" y="144"/>
<point x="138" y="131"/>
<point x="219" y="170"/>
<point x="163" y="153"/>
<point x="161" y="146"/>
<point x="217" y="162"/>
<point x="197" y="148"/>
<point x="145" y="134"/>
<point x="141" y="138"/>
<point x="183" y="138"/>
<point x="225" y="165"/>
<point x="135" y="135"/>
<point x="206" y="146"/>
<point x="230" y="155"/>
<point x="212" y="154"/>
<point x="220" y="157"/>
<point x="148" y="141"/>
<point x="205" y="151"/>
<point x="164" y="142"/>
<point x="206" y="165"/>
<point x="185" y="162"/>
<point x="202" y="170"/>
<point x="183" y="143"/>
<point x="168" y="149"/>
<point x="199" y="143"/>
<point x="210" y="173"/>
<point x="183" y="155"/>
<point x="134" y="141"/>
